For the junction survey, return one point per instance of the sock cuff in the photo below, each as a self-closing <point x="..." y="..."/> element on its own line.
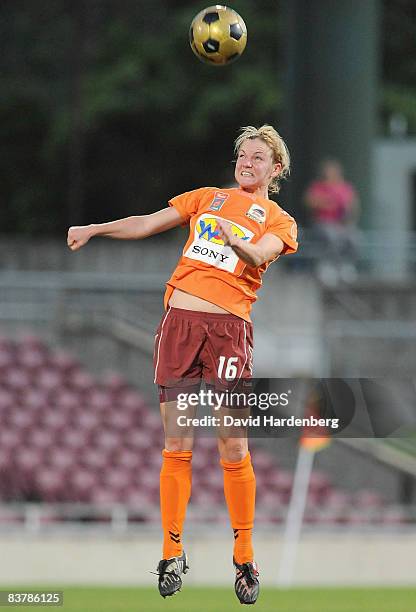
<point x="238" y="465"/>
<point x="182" y="454"/>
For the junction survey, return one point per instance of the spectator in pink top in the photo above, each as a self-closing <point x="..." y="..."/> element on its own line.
<point x="334" y="209"/>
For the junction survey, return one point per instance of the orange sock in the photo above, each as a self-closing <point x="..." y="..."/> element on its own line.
<point x="240" y="495"/>
<point x="175" y="490"/>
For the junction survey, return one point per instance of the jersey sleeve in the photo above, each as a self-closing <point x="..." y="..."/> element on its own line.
<point x="284" y="226"/>
<point x="187" y="203"/>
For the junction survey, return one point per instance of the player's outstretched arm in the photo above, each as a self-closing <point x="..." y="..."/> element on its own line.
<point x="130" y="228"/>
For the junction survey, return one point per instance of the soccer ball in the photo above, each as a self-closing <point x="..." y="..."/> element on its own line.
<point x="218" y="35"/>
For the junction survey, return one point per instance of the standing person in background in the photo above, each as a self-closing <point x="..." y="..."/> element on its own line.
<point x="234" y="235"/>
<point x="334" y="208"/>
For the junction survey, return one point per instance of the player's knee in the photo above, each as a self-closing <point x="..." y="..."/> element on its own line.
<point x="178" y="444"/>
<point x="233" y="450"/>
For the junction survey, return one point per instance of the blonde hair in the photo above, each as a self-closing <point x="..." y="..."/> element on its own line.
<point x="272" y="138"/>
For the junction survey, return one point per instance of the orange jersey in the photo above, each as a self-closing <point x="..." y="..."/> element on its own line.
<point x="213" y="271"/>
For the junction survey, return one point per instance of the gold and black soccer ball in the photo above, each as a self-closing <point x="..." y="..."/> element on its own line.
<point x="218" y="35"/>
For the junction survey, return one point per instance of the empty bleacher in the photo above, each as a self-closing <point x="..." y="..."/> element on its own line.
<point x="78" y="447"/>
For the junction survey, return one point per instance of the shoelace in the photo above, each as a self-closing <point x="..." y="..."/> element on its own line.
<point x="163" y="572"/>
<point x="249" y="573"/>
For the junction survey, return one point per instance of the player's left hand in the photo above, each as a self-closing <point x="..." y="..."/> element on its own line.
<point x="224" y="232"/>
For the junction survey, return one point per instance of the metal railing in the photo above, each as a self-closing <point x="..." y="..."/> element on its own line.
<point x="117" y="518"/>
<point x="380" y="254"/>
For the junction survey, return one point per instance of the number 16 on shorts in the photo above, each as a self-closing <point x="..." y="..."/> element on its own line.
<point x="227" y="368"/>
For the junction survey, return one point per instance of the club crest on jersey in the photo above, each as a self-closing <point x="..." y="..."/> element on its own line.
<point x="257" y="213"/>
<point x="219" y="199"/>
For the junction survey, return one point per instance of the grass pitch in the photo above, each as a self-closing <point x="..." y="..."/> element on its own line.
<point x="223" y="600"/>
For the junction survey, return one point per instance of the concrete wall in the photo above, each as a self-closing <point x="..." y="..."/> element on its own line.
<point x="155" y="254"/>
<point x="349" y="558"/>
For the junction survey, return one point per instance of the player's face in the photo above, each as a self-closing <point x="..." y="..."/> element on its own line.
<point x="254" y="168"/>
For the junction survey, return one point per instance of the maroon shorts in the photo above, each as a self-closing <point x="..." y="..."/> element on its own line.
<point x="191" y="346"/>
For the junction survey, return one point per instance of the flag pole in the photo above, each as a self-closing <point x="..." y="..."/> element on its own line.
<point x="295" y="515"/>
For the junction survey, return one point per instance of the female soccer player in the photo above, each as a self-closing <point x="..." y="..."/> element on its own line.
<point x="206" y="330"/>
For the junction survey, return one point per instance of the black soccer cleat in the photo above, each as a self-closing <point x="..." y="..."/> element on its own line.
<point x="170" y="571"/>
<point x="246" y="582"/>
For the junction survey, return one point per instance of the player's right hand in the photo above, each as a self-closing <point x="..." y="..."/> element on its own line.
<point x="78" y="235"/>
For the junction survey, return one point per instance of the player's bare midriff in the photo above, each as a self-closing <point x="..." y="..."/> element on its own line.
<point x="187" y="301"/>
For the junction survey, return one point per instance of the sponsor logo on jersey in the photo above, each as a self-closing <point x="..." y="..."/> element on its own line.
<point x="218" y="201"/>
<point x="208" y="247"/>
<point x="210" y="253"/>
<point x="207" y="229"/>
<point x="257" y="213"/>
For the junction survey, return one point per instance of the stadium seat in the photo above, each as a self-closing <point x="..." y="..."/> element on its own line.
<point x="49" y="379"/>
<point x="6" y="343"/>
<point x="148" y="481"/>
<point x="138" y="440"/>
<point x="262" y="461"/>
<point x="34" y="399"/>
<point x="141" y="501"/>
<point x="283" y="481"/>
<point x="8" y="484"/>
<point x="131" y="401"/>
<point x="270" y="498"/>
<point x="337" y="498"/>
<point x="31" y="359"/>
<point x="39" y="438"/>
<point x="33" y="342"/>
<point x="103" y="495"/>
<point x="79" y="380"/>
<point x="206" y="444"/>
<point x="81" y="482"/>
<point x="94" y="459"/>
<point x="86" y="421"/>
<point x="152" y="457"/>
<point x="107" y="440"/>
<point x="26" y="463"/>
<point x="128" y="459"/>
<point x="98" y="400"/>
<point x="319" y="484"/>
<point x="270" y="514"/>
<point x="7" y="399"/>
<point x="119" y="420"/>
<point x="54" y="421"/>
<point x="211" y="479"/>
<point x="21" y="419"/>
<point x="116" y="479"/>
<point x="115" y="382"/>
<point x="76" y="440"/>
<point x="62" y="459"/>
<point x="199" y="460"/>
<point x="50" y="485"/>
<point x="66" y="400"/>
<point x="10" y="439"/>
<point x="17" y="378"/>
<point x="64" y="363"/>
<point x="271" y="478"/>
<point x="7" y="359"/>
<point x="202" y="497"/>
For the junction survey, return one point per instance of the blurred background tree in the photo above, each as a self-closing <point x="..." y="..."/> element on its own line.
<point x="106" y="112"/>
